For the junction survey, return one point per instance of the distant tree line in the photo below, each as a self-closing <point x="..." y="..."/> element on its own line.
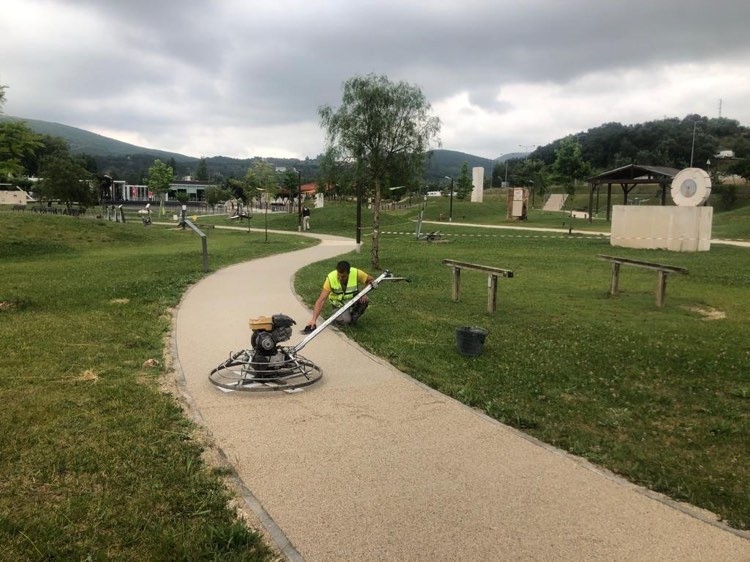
<point x="673" y="143"/>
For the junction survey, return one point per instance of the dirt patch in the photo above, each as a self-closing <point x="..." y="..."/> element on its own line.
<point x="8" y="305"/>
<point x="119" y="301"/>
<point x="89" y="375"/>
<point x="707" y="312"/>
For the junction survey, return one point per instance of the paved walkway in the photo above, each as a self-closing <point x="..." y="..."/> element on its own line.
<point x="368" y="464"/>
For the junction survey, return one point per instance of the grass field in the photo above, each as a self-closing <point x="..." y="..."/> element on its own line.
<point x="96" y="462"/>
<point x="337" y="217"/>
<point x="658" y="395"/>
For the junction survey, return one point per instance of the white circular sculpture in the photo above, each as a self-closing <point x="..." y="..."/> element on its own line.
<point x="691" y="187"/>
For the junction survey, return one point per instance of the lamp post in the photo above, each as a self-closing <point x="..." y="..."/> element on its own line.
<point x="692" y="146"/>
<point x="450" y="205"/>
<point x="299" y="200"/>
<point x="358" y="244"/>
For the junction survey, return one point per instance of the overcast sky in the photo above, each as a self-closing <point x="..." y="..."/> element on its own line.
<point x="245" y="78"/>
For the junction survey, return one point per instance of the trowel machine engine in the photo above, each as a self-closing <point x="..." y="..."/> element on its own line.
<point x="267" y="333"/>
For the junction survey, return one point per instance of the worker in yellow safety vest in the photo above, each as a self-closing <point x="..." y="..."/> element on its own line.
<point x="339" y="287"/>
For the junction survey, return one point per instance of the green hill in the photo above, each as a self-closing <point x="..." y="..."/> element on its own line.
<point x="128" y="161"/>
<point x="86" y="142"/>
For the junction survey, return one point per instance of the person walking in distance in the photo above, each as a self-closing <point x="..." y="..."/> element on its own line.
<point x="305" y="218"/>
<point x="339" y="287"/>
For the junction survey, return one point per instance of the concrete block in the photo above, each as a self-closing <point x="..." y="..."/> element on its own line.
<point x="679" y="229"/>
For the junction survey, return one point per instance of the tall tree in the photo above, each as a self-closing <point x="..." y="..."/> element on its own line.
<point x="260" y="178"/>
<point x="463" y="183"/>
<point x="18" y="143"/>
<point x="67" y="181"/>
<point x="2" y="97"/>
<point x="291" y="180"/>
<point x="215" y="194"/>
<point x="380" y="125"/>
<point x="172" y="164"/>
<point x="334" y="175"/>
<point x="49" y="147"/>
<point x="159" y="177"/>
<point x="201" y="174"/>
<point x="569" y="163"/>
<point x="533" y="173"/>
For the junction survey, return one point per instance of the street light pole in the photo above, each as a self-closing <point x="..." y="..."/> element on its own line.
<point x="450" y="205"/>
<point x="299" y="200"/>
<point x="692" y="146"/>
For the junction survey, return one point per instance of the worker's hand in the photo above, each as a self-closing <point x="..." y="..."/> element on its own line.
<point x="310" y="328"/>
<point x="374" y="284"/>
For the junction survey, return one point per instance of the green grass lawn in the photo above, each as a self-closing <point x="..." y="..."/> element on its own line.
<point x="658" y="395"/>
<point x="337" y="217"/>
<point x="96" y="462"/>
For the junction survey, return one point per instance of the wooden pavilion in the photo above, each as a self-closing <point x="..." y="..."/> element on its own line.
<point x="629" y="177"/>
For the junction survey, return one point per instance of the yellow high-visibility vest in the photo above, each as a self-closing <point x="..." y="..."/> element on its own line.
<point x="340" y="295"/>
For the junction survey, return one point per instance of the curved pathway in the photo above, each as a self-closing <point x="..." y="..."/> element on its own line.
<point x="368" y="464"/>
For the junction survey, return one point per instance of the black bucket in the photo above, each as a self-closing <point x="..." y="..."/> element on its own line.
<point x="470" y="340"/>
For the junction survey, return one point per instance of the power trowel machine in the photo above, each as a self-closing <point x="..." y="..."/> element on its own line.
<point x="267" y="365"/>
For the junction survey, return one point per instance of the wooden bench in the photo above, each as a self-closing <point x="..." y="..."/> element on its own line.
<point x="661" y="272"/>
<point x="493" y="274"/>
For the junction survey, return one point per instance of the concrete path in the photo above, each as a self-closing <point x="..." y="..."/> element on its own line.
<point x="368" y="464"/>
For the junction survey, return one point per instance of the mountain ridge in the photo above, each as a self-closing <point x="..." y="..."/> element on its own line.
<point x="126" y="160"/>
<point x="82" y="141"/>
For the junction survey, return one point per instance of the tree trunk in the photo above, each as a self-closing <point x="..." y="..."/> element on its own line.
<point x="375" y="258"/>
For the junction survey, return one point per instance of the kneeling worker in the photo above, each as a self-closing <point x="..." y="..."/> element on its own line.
<point x="340" y="286"/>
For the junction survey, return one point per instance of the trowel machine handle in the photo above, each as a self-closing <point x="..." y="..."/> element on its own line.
<point x="385" y="276"/>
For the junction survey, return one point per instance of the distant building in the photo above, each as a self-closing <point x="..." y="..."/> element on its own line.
<point x="13" y="196"/>
<point x="123" y="191"/>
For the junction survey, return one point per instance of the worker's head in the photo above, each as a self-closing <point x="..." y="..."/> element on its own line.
<point x="342" y="270"/>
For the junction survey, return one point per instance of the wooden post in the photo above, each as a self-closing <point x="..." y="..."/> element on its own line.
<point x="662" y="271"/>
<point x="456" y="284"/>
<point x="491" y="293"/>
<point x="661" y="287"/>
<point x="613" y="285"/>
<point x="493" y="274"/>
<point x="204" y="247"/>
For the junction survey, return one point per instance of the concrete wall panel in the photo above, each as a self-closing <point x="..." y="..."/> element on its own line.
<point x="680" y="229"/>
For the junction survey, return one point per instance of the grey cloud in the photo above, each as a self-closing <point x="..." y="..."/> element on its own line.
<point x="255" y="64"/>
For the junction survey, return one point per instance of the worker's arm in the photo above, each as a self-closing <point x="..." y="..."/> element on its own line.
<point x="364" y="278"/>
<point x="368" y="279"/>
<point x="318" y="308"/>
